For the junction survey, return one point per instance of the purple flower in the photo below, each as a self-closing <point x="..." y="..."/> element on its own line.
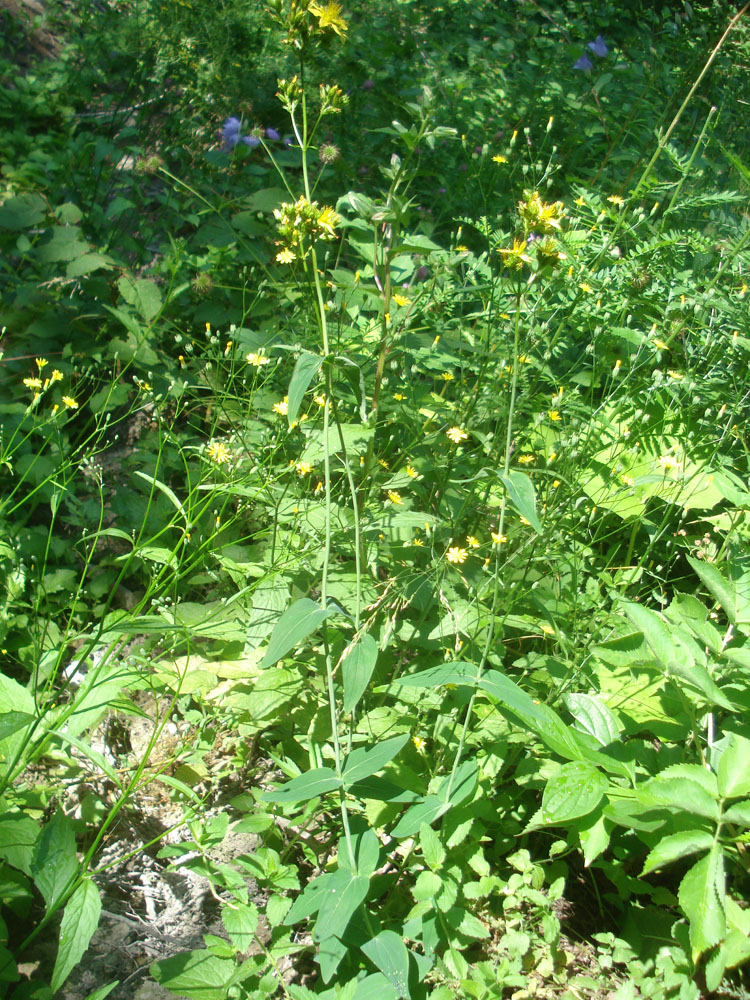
<point x="583" y="63"/>
<point x="251" y="140"/>
<point x="271" y="133"/>
<point x="599" y="47"/>
<point x="230" y="133"/>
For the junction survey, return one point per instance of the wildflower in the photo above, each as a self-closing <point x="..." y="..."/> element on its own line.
<point x="628" y="480"/>
<point x="419" y="743"/>
<point x="499" y="159"/>
<point x="282" y="407"/>
<point x="660" y="344"/>
<point x="584" y="63"/>
<point x="554" y="415"/>
<point x="56" y="376"/>
<point x="217" y="451"/>
<point x="461" y="248"/>
<point x="539" y="216"/>
<point x="526" y="459"/>
<point x="580" y="201"/>
<point x="383" y="464"/>
<point x="585" y="287"/>
<point x="230" y="132"/>
<point x="328" y="220"/>
<point x="319" y="486"/>
<point x="285" y="256"/>
<point x="677" y="376"/>
<point x="457" y="434"/>
<point x="547" y="629"/>
<point x="552" y="456"/>
<point x="618" y="366"/>
<point x="411" y="472"/>
<point x="272" y="134"/>
<point x="525" y="520"/>
<point x="555" y="484"/>
<point x="70" y="402"/>
<point x="515" y="257"/>
<point x="497" y="538"/>
<point x="447" y="376"/>
<point x="472" y="541"/>
<point x="33" y="383"/>
<point x="615" y="199"/>
<point x="417" y="541"/>
<point x="456" y="555"/>
<point x="328" y="152"/>
<point x="401" y="300"/>
<point x="303" y="469"/>
<point x="599" y="47"/>
<point x="395" y="497"/>
<point x="41" y="363"/>
<point x="329" y="16"/>
<point x="669" y="462"/>
<point x="258" y="359"/>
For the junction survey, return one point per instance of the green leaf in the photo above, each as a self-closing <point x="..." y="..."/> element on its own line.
<point x="305" y="786"/>
<point x="240" y="921"/>
<point x="143" y="294"/>
<point x="375" y="987"/>
<point x="733" y="772"/>
<point x="428" y="883"/>
<point x="309" y="900"/>
<point x="54" y="862"/>
<point x="357" y="666"/>
<point x="576" y="790"/>
<point x="87" y="263"/>
<point x="366" y="849"/>
<point x="304" y="372"/>
<point x="364" y="761"/>
<point x="594" y="716"/>
<point x="65" y="244"/>
<point x="389" y="954"/>
<point x="296" y="624"/>
<point x="345" y="893"/>
<point x="739" y="814"/>
<point x="103" y="991"/>
<point x="427" y="811"/>
<point x="167" y="491"/>
<point x="677" y="845"/>
<point x="18" y="835"/>
<point x="522" y="495"/>
<point x="457" y="673"/>
<point x="11" y="722"/>
<point x="680" y="794"/>
<point x="432" y="848"/>
<point x="23" y="211"/>
<point x="702" y="898"/>
<point x="198" y="975"/>
<point x="732" y="594"/>
<point x="79" y="921"/>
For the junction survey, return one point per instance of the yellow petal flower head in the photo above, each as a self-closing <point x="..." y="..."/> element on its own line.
<point x="282" y="407"/>
<point x="329" y="16"/>
<point x="303" y="469"/>
<point x="327" y="221"/>
<point x="515" y="257"/>
<point x="456" y="555"/>
<point x="457" y="434"/>
<point x="217" y="451"/>
<point x="395" y="497"/>
<point x="33" y="383"/>
<point x="538" y="216"/>
<point x="472" y="541"/>
<point x="257" y="360"/>
<point x="285" y="256"/>
<point x="70" y="402"/>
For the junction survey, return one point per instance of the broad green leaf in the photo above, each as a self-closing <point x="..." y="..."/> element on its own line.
<point x="305" y="786"/>
<point x="143" y="294"/>
<point x="54" y="862"/>
<point x="11" y="722"/>
<point x="677" y="845"/>
<point x="576" y="790"/>
<point x="18" y="835"/>
<point x="432" y="847"/>
<point x="522" y="495"/>
<point x="733" y="595"/>
<point x="66" y="243"/>
<point x="457" y="787"/>
<point x="594" y="835"/>
<point x="389" y="954"/>
<point x="364" y="761"/>
<point x="267" y="199"/>
<point x="680" y="794"/>
<point x="13" y="698"/>
<point x="79" y="921"/>
<point x="366" y="849"/>
<point x="702" y="898"/>
<point x="447" y="673"/>
<point x="167" y="491"/>
<point x="738" y="813"/>
<point x="345" y="892"/>
<point x="88" y="263"/>
<point x="426" y="811"/>
<point x="295" y="625"/>
<point x="375" y="987"/>
<point x="240" y="921"/>
<point x="428" y="884"/>
<point x="357" y="666"/>
<point x="733" y="772"/>
<point x="309" y="900"/>
<point x="594" y="716"/>
<point x="305" y="370"/>
<point x="198" y="975"/>
<point x="25" y="210"/>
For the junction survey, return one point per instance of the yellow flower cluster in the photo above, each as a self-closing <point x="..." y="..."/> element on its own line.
<point x="303" y="221"/>
<point x="38" y="385"/>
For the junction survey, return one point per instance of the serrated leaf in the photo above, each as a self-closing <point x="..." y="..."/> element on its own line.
<point x="738" y="813"/>
<point x="389" y="954"/>
<point x="11" y="722"/>
<point x="305" y="370"/>
<point x="733" y="771"/>
<point x="18" y="836"/>
<point x="198" y="975"/>
<point x="677" y="845"/>
<point x="25" y="210"/>
<point x="54" y="862"/>
<point x="79" y="921"/>
<point x="701" y="897"/>
<point x="427" y="885"/>
<point x="295" y="625"/>
<point x="432" y="848"/>
<point x="143" y="294"/>
<point x="680" y="794"/>
<point x="594" y="716"/>
<point x="576" y="790"/>
<point x="364" y="761"/>
<point x="240" y="922"/>
<point x="357" y="666"/>
<point x="522" y="495"/>
<point x="305" y="786"/>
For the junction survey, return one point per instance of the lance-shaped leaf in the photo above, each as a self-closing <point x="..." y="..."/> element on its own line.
<point x="305" y="786"/>
<point x="522" y="495"/>
<point x="295" y="625"/>
<point x="304" y="372"/>
<point x="80" y="920"/>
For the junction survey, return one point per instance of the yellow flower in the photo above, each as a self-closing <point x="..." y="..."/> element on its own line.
<point x="525" y="520"/>
<point x="497" y="538"/>
<point x="70" y="402"/>
<point x="329" y="16"/>
<point x="411" y="472"/>
<point x="677" y="376"/>
<point x="669" y="462"/>
<point x="218" y="452"/>
<point x="472" y="542"/>
<point x="257" y="360"/>
<point x="401" y="300"/>
<point x="418" y="542"/>
<point x="456" y="555"/>
<point x="328" y="220"/>
<point x="457" y="434"/>
<point x="399" y="396"/>
<point x="395" y="497"/>
<point x="285" y="256"/>
<point x="282" y="407"/>
<point x="580" y="201"/>
<point x="585" y="287"/>
<point x="615" y="199"/>
<point x="56" y="376"/>
<point x="628" y="480"/>
<point x="41" y="362"/>
<point x="554" y="415"/>
<point x="33" y="383"/>
<point x="525" y="459"/>
<point x="555" y="484"/>
<point x="419" y="743"/>
<point x="461" y="248"/>
<point x="303" y="468"/>
<point x="660" y="344"/>
<point x="319" y="486"/>
<point x="320" y="400"/>
<point x="499" y="159"/>
<point x="447" y="376"/>
<point x="515" y="257"/>
<point x="552" y="456"/>
<point x="383" y="464"/>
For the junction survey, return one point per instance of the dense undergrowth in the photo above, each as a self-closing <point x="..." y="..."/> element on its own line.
<point x="374" y="400"/>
